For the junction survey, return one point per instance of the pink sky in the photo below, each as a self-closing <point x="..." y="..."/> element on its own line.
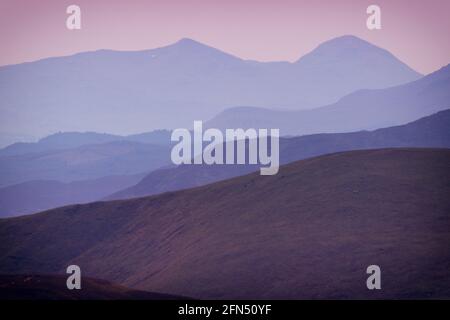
<point x="417" y="32"/>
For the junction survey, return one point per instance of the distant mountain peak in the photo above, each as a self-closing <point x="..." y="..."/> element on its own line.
<point x="343" y="46"/>
<point x="348" y="52"/>
<point x="346" y="40"/>
<point x="187" y="78"/>
<point x="194" y="48"/>
<point x="189" y="42"/>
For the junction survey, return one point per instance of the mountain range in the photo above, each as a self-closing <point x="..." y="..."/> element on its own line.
<point x="431" y="131"/>
<point x="364" y="176"/>
<point x="69" y="140"/>
<point x="169" y="87"/>
<point x="86" y="162"/>
<point x="38" y="195"/>
<point x="361" y="110"/>
<point x="308" y="232"/>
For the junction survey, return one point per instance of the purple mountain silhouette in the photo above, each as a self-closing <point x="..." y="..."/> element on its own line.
<point x="361" y="110"/>
<point x="39" y="195"/>
<point x="68" y="140"/>
<point x="84" y="163"/>
<point x="125" y="92"/>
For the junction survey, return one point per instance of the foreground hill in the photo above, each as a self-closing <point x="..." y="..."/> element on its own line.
<point x="361" y="110"/>
<point x="308" y="232"/>
<point x="169" y="87"/>
<point x="53" y="287"/>
<point x="431" y="131"/>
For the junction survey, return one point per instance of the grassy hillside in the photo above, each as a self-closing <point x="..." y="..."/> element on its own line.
<point x="53" y="287"/>
<point x="308" y="232"/>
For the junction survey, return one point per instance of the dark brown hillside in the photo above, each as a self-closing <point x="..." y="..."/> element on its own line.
<point x="308" y="232"/>
<point x="53" y="287"/>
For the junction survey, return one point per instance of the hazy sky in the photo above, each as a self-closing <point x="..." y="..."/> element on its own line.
<point x="417" y="32"/>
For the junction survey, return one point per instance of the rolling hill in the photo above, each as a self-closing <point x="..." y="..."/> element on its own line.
<point x="53" y="287"/>
<point x="70" y="140"/>
<point x="169" y="87"/>
<point x="361" y="110"/>
<point x="86" y="162"/>
<point x="39" y="195"/>
<point x="308" y="232"/>
<point x="431" y="131"/>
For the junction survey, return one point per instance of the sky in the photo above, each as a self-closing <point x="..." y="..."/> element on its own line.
<point x="416" y="32"/>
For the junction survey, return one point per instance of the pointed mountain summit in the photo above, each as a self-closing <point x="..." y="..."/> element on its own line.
<point x="345" y="61"/>
<point x="192" y="56"/>
<point x="346" y="47"/>
<point x="342" y="46"/>
<point x="189" y="44"/>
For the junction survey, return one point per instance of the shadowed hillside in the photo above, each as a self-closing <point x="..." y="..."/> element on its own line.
<point x="39" y="195"/>
<point x="83" y="163"/>
<point x="308" y="232"/>
<point x="35" y="196"/>
<point x="53" y="287"/>
<point x="431" y="131"/>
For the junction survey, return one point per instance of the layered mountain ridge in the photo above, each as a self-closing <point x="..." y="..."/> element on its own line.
<point x="169" y="87"/>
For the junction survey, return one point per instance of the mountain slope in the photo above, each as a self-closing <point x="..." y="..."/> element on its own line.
<point x="39" y="195"/>
<point x="187" y="79"/>
<point x="361" y="110"/>
<point x="308" y="232"/>
<point x="83" y="163"/>
<point x="53" y="287"/>
<point x="331" y="61"/>
<point x="431" y="131"/>
<point x="68" y="140"/>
